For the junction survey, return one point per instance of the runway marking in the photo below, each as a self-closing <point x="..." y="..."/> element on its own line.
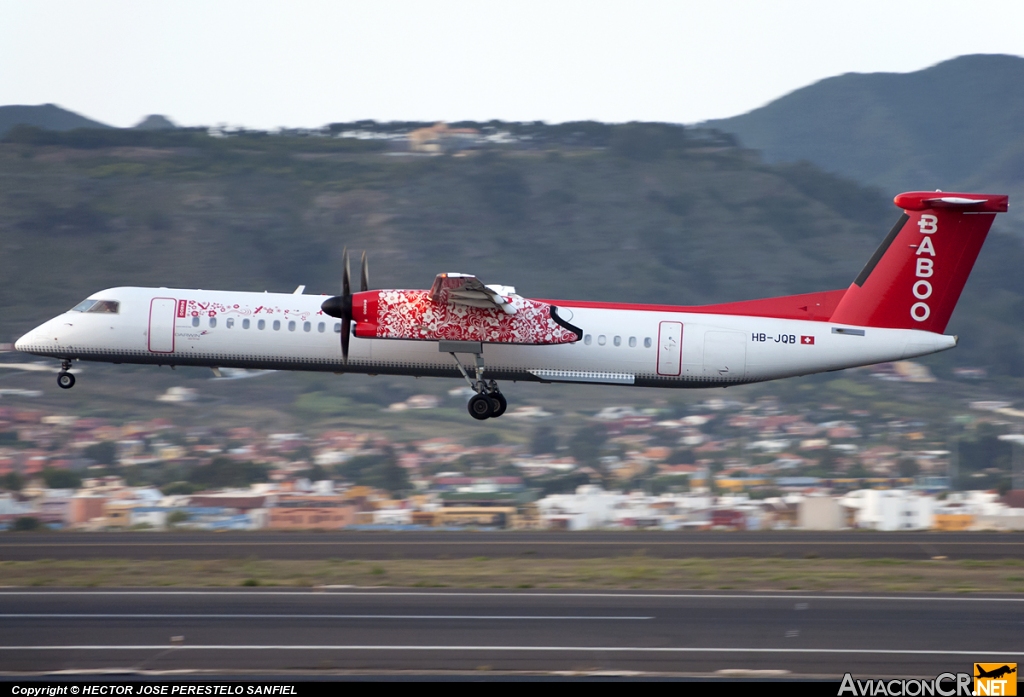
<point x="549" y="649"/>
<point x="457" y="594"/>
<point x="148" y="616"/>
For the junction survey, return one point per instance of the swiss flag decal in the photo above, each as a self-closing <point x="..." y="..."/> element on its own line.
<point x="807" y="340"/>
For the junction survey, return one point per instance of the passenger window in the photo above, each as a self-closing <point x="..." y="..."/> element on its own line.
<point x="245" y="323"/>
<point x="647" y="342"/>
<point x="195" y="321"/>
<point x="601" y="340"/>
<point x="321" y="327"/>
<point x="230" y="322"/>
<point x="262" y="324"/>
<point x="306" y="326"/>
<point x="617" y="341"/>
<point x="632" y="342"/>
<point x="586" y="340"/>
<point x="337" y="327"/>
<point x="277" y="325"/>
<point x="213" y="322"/>
<point x="291" y="326"/>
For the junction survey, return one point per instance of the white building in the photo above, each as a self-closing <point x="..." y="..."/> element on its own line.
<point x="590" y="507"/>
<point x="891" y="509"/>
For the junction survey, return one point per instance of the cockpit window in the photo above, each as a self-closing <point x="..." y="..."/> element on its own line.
<point x="109" y="307"/>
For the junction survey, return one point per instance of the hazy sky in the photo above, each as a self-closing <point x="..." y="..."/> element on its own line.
<point x="271" y="64"/>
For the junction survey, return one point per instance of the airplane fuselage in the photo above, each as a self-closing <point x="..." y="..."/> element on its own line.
<point x="621" y="344"/>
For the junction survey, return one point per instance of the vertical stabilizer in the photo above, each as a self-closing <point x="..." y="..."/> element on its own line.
<point x="914" y="279"/>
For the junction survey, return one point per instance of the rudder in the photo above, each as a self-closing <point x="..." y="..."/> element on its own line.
<point x="915" y="277"/>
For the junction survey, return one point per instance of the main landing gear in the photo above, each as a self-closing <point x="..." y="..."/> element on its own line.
<point x="65" y="379"/>
<point x="488" y="402"/>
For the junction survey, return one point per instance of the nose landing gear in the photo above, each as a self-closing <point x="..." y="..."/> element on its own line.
<point x="65" y="379"/>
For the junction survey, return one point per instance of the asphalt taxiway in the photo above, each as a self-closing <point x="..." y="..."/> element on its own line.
<point x="260" y="632"/>
<point x="552" y="545"/>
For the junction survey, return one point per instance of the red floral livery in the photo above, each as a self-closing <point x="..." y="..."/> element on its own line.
<point x="413" y="314"/>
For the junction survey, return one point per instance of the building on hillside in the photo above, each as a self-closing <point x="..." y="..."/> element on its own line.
<point x="439" y="138"/>
<point x="85" y="508"/>
<point x="590" y="507"/>
<point x="310" y="513"/>
<point x="891" y="509"/>
<point x="820" y="513"/>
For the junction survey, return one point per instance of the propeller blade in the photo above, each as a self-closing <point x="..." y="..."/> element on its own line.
<point x="346" y="286"/>
<point x="364" y="276"/>
<point x="346" y="330"/>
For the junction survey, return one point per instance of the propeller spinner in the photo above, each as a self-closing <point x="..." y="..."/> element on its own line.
<point x="340" y="306"/>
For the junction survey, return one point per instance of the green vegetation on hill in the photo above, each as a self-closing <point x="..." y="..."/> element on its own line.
<point x="658" y="214"/>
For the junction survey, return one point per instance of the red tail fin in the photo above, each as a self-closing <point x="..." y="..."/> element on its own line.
<point x="914" y="279"/>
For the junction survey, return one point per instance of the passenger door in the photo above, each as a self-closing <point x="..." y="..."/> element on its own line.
<point x="161" y="325"/>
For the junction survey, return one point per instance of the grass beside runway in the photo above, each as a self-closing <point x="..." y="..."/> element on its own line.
<point x="618" y="573"/>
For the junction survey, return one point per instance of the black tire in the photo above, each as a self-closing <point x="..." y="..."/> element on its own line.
<point x="65" y="380"/>
<point x="480" y="407"/>
<point x="500" y="404"/>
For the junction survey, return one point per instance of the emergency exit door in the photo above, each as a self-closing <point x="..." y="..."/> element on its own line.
<point x="161" y="325"/>
<point x="670" y="348"/>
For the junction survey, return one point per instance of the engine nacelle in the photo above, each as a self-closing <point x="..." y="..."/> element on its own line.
<point x="412" y="314"/>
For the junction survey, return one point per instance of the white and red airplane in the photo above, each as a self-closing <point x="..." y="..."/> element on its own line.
<point x="896" y="308"/>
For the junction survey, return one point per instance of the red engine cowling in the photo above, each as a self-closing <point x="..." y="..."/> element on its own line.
<point x="412" y="314"/>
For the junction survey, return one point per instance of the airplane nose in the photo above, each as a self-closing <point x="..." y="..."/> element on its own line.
<point x="23" y="343"/>
<point x="32" y="341"/>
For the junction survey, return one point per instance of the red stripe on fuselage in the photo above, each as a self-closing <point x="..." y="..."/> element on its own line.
<point x="816" y="307"/>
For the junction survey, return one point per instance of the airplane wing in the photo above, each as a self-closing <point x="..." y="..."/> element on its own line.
<point x="466" y="289"/>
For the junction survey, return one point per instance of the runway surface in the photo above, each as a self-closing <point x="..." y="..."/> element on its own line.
<point x="259" y="632"/>
<point x="557" y="545"/>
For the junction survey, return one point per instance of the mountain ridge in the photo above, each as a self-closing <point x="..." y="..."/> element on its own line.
<point x="46" y="116"/>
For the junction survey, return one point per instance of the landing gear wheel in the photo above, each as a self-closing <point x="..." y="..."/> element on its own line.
<point x="65" y="380"/>
<point x="481" y="407"/>
<point x="499" y="402"/>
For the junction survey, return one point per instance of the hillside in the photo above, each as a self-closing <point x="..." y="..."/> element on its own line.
<point x="957" y="124"/>
<point x="686" y="224"/>
<point x="48" y="116"/>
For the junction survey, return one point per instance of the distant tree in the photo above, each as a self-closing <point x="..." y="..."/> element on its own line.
<point x="12" y="481"/>
<point x="858" y="471"/>
<point x="586" y="443"/>
<point x="103" y="453"/>
<point x="681" y="456"/>
<point x="178" y="489"/>
<point x="560" y="483"/>
<point x="647" y="141"/>
<point x="315" y="473"/>
<point x="61" y="479"/>
<point x="908" y="467"/>
<point x="175" y="517"/>
<point x="544" y="440"/>
<point x="225" y="472"/>
<point x="661" y="485"/>
<point x="387" y="475"/>
<point x="26" y="524"/>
